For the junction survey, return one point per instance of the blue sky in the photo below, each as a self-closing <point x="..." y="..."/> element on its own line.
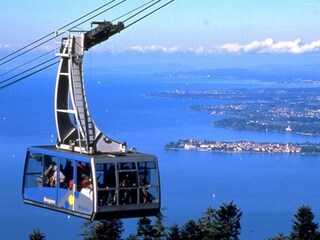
<point x="196" y="26"/>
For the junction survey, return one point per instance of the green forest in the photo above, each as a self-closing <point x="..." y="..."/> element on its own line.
<point x="223" y="223"/>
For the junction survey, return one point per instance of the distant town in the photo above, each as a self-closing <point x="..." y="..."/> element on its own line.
<point x="286" y="110"/>
<point x="244" y="146"/>
<point x="288" y="105"/>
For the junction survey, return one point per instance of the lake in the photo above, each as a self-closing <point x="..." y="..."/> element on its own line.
<point x="268" y="188"/>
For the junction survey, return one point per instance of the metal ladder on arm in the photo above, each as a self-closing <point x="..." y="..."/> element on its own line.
<point x="81" y="105"/>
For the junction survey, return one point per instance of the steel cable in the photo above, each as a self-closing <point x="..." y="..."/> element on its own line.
<point x="42" y="38"/>
<point x="5" y="83"/>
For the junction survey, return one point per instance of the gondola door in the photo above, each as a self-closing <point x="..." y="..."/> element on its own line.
<point x="40" y="176"/>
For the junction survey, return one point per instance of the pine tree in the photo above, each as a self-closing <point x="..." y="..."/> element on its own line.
<point x="132" y="237"/>
<point x="206" y="224"/>
<point x="36" y="235"/>
<point x="145" y="229"/>
<point x="227" y="222"/>
<point x="174" y="233"/>
<point x="191" y="231"/>
<point x="104" y="229"/>
<point x="159" y="228"/>
<point x="303" y="226"/>
<point x="280" y="236"/>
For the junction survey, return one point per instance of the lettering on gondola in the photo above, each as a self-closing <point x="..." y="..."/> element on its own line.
<point x="49" y="201"/>
<point x="84" y="209"/>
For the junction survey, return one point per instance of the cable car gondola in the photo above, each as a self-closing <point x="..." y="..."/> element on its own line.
<point x="100" y="186"/>
<point x="88" y="174"/>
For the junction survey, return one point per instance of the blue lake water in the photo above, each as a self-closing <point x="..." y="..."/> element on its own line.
<point x="268" y="188"/>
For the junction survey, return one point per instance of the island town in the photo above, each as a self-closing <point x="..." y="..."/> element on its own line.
<point x="244" y="146"/>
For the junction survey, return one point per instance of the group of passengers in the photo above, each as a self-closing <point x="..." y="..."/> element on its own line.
<point x="127" y="183"/>
<point x="127" y="189"/>
<point x="50" y="176"/>
<point x="65" y="175"/>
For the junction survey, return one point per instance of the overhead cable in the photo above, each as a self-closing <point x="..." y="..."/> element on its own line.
<point x="57" y="33"/>
<point x="157" y="9"/>
<point x="26" y="63"/>
<point x="28" y="70"/>
<point x="49" y="34"/>
<point x="24" y="77"/>
<point x="12" y="80"/>
<point x="133" y="10"/>
<point x="144" y="9"/>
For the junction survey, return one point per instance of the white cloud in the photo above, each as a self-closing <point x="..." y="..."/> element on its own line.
<point x="156" y="48"/>
<point x="270" y="46"/>
<point x="265" y="46"/>
<point x="256" y="47"/>
<point x="165" y="49"/>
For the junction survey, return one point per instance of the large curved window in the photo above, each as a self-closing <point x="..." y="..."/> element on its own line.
<point x="34" y="167"/>
<point x="148" y="182"/>
<point x="126" y="183"/>
<point x="106" y="184"/>
<point x="55" y="182"/>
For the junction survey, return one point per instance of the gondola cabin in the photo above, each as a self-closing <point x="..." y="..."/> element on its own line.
<point x="100" y="186"/>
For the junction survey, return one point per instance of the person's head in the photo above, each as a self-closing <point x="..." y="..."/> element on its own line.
<point x="87" y="183"/>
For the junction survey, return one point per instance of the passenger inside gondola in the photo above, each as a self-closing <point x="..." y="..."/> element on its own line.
<point x="127" y="183"/>
<point x="47" y="175"/>
<point x="83" y="173"/>
<point x="106" y="182"/>
<point x="58" y="177"/>
<point x="124" y="194"/>
<point x="146" y="196"/>
<point x="87" y="188"/>
<point x="110" y="181"/>
<point x="68" y="172"/>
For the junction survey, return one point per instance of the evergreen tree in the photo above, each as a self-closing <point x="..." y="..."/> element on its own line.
<point x="280" y="236"/>
<point x="159" y="228"/>
<point x="206" y="224"/>
<point x="36" y="235"/>
<point x="191" y="231"/>
<point x="145" y="229"/>
<point x="303" y="226"/>
<point x="132" y="237"/>
<point x="104" y="229"/>
<point x="227" y="222"/>
<point x="174" y="233"/>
